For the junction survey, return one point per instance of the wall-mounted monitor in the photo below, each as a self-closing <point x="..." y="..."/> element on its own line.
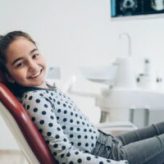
<point x="129" y="8"/>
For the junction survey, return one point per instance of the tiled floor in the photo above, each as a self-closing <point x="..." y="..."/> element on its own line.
<point x="12" y="157"/>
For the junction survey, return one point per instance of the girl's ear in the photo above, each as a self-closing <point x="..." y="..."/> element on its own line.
<point x="9" y="78"/>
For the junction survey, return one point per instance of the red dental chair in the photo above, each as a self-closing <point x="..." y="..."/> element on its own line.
<point x="27" y="135"/>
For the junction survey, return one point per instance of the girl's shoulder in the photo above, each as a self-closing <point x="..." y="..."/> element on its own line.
<point x="41" y="93"/>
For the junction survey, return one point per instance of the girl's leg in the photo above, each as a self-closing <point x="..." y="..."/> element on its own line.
<point x="147" y="151"/>
<point x="140" y="134"/>
<point x="157" y="159"/>
<point x="142" y="145"/>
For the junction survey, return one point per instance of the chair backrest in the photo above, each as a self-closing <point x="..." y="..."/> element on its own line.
<point x="29" y="138"/>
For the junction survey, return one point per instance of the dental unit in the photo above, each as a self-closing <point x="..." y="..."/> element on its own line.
<point x="126" y="92"/>
<point x="123" y="92"/>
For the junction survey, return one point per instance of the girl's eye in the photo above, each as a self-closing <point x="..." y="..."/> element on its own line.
<point x="19" y="65"/>
<point x="34" y="56"/>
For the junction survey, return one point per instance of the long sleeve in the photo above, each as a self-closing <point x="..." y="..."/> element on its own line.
<point x="41" y="110"/>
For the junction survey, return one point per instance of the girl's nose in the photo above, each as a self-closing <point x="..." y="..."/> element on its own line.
<point x="33" y="67"/>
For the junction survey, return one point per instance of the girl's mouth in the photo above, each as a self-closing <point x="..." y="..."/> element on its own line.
<point x="36" y="74"/>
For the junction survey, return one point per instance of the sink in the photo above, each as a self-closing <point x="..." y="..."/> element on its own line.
<point x="105" y="74"/>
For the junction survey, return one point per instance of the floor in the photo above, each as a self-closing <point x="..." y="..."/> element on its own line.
<point x="12" y="157"/>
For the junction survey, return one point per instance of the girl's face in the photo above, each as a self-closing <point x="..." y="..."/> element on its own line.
<point x="25" y="64"/>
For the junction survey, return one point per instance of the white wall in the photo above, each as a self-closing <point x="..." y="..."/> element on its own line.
<point x="80" y="32"/>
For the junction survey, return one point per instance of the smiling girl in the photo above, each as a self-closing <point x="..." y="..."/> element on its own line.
<point x="69" y="134"/>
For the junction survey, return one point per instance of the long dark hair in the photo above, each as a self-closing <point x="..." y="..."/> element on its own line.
<point x="5" y="41"/>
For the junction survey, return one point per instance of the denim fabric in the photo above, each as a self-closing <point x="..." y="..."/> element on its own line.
<point x="105" y="144"/>
<point x="142" y="146"/>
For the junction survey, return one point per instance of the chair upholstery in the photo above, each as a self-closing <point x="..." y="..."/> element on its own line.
<point x="31" y="134"/>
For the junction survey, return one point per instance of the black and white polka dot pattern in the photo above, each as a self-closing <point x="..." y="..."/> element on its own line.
<point x="66" y="130"/>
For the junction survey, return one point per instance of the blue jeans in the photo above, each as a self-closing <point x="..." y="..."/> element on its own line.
<point x="142" y="146"/>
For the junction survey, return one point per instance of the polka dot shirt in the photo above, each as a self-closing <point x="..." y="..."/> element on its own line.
<point x="68" y="133"/>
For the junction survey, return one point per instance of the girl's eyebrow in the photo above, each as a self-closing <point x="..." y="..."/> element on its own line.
<point x="16" y="60"/>
<point x="35" y="49"/>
